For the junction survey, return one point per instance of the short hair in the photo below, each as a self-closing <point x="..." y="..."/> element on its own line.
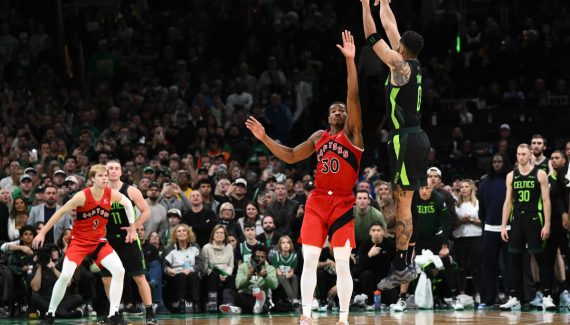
<point x="336" y="103"/>
<point x="523" y="146"/>
<point x="560" y="152"/>
<point x="248" y="224"/>
<point x="95" y="169"/>
<point x="258" y="247"/>
<point x="376" y="223"/>
<point x="27" y="228"/>
<point x="413" y="42"/>
<point x="538" y="136"/>
<point x="363" y="191"/>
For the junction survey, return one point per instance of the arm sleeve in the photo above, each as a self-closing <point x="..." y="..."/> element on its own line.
<point x="129" y="210"/>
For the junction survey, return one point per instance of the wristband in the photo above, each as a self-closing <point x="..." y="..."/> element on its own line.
<point x="373" y="38"/>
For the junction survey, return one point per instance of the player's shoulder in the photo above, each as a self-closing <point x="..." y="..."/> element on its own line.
<point x="316" y="136"/>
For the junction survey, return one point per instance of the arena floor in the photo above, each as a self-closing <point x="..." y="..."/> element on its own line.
<point x="409" y="317"/>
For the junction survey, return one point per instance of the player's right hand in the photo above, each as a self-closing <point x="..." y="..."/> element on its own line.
<point x="38" y="241"/>
<point x="504" y="234"/>
<point x="255" y="127"/>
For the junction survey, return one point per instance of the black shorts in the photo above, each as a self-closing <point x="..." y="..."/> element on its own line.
<point x="131" y="256"/>
<point x="525" y="233"/>
<point x="408" y="153"/>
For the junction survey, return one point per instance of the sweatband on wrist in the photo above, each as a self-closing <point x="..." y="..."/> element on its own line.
<point x="373" y="38"/>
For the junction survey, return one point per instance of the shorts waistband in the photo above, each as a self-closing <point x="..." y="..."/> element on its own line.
<point x="411" y="129"/>
<point x="333" y="192"/>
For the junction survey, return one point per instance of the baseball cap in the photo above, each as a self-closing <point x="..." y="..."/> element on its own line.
<point x="71" y="179"/>
<point x="434" y="170"/>
<point x="175" y="212"/>
<point x="25" y="176"/>
<point x="241" y="181"/>
<point x="30" y="170"/>
<point x="505" y="127"/>
<point x="59" y="172"/>
<point x="148" y="169"/>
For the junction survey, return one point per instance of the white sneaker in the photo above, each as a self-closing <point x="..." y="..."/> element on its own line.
<point x="548" y="304"/>
<point x="456" y="305"/>
<point x="512" y="304"/>
<point x="315" y="305"/>
<point x="565" y="299"/>
<point x="230" y="309"/>
<point x="537" y="301"/>
<point x="259" y="303"/>
<point x="400" y="305"/>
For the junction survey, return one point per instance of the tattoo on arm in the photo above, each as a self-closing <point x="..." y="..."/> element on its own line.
<point x="401" y="73"/>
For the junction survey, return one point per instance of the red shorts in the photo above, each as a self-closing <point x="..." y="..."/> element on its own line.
<point x="77" y="251"/>
<point x="328" y="214"/>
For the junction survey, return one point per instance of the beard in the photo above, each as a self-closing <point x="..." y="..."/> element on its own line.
<point x="268" y="229"/>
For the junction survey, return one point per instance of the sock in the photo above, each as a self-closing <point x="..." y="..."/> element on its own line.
<point x="344" y="282"/>
<point x="112" y="262"/>
<point x="562" y="285"/>
<point x="410" y="256"/>
<point x="61" y="285"/>
<point x="309" y="277"/>
<point x="400" y="260"/>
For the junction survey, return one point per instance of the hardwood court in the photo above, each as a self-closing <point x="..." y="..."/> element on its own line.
<point x="408" y="317"/>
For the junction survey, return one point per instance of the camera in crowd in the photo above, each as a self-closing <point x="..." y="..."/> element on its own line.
<point x="255" y="260"/>
<point x="44" y="254"/>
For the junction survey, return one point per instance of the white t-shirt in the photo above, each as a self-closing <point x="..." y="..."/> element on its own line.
<point x="467" y="229"/>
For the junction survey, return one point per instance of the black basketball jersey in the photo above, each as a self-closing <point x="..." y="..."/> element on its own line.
<point x="118" y="217"/>
<point x="527" y="197"/>
<point x="544" y="165"/>
<point x="403" y="103"/>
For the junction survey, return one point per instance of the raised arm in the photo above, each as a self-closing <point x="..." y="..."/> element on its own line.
<point x="390" y="57"/>
<point x="287" y="154"/>
<point x="353" y="126"/>
<point x="77" y="200"/>
<point x="389" y="22"/>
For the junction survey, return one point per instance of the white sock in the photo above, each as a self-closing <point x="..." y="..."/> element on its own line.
<point x="113" y="264"/>
<point x="311" y="256"/>
<point x="344" y="282"/>
<point x="60" y="285"/>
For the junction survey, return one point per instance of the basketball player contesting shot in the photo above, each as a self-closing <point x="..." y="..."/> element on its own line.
<point x="328" y="210"/>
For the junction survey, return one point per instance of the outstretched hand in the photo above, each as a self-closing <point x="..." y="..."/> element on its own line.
<point x="255" y="127"/>
<point x="348" y="49"/>
<point x="387" y="2"/>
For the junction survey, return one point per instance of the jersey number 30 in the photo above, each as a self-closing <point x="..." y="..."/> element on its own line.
<point x="330" y="165"/>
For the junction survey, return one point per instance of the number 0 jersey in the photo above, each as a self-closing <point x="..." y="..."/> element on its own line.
<point x="91" y="220"/>
<point x="338" y="162"/>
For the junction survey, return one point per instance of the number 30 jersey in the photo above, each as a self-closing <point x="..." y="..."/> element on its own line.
<point x="338" y="162"/>
<point x="91" y="220"/>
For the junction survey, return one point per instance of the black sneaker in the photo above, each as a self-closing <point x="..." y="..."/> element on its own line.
<point x="133" y="310"/>
<point x="116" y="319"/>
<point x="150" y="317"/>
<point x="47" y="320"/>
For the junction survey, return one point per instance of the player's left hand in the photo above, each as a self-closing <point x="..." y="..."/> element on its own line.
<point x="348" y="49"/>
<point x="545" y="232"/>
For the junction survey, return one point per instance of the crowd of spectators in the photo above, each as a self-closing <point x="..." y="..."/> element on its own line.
<point x="166" y="92"/>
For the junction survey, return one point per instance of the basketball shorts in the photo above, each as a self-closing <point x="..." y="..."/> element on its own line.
<point x="77" y="251"/>
<point x="525" y="233"/>
<point x="130" y="254"/>
<point x="328" y="213"/>
<point x="408" y="154"/>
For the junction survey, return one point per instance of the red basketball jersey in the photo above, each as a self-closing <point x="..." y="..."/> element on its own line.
<point x="338" y="162"/>
<point x="91" y="220"/>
